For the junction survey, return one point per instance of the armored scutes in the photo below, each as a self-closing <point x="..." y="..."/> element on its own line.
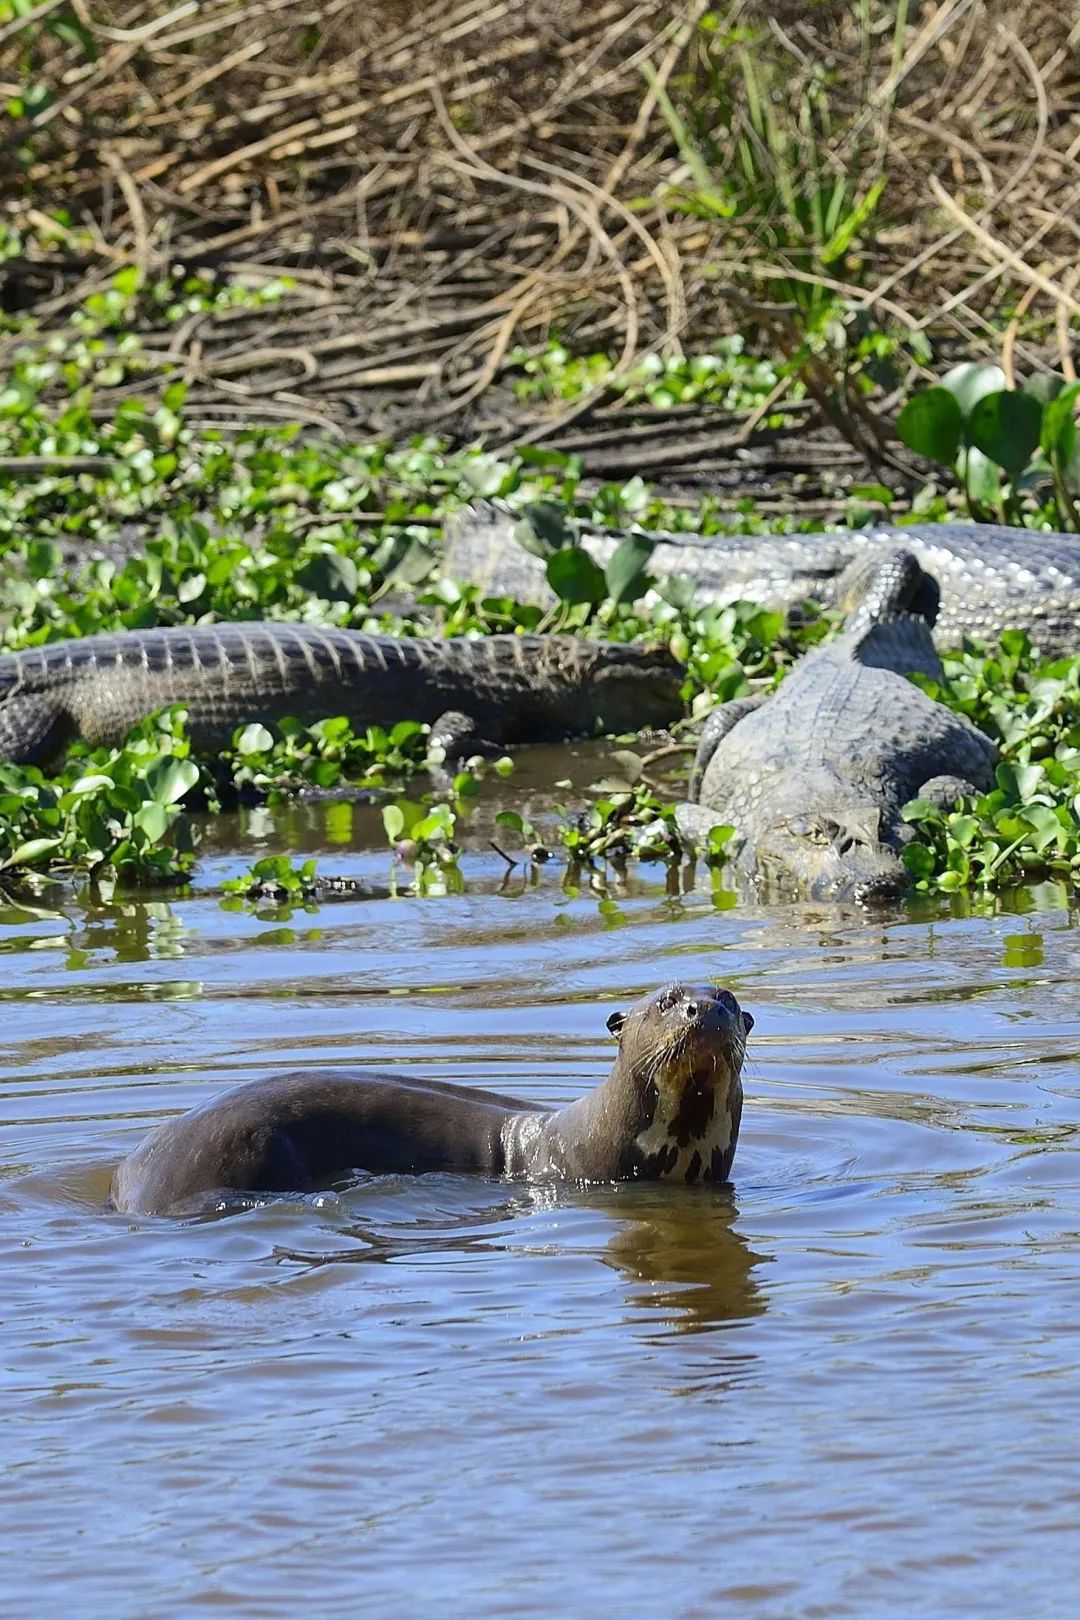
<point x="992" y="578"/>
<point x="497" y="688"/>
<point x="813" y="776"/>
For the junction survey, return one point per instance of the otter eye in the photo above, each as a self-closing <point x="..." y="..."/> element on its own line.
<point x="669" y="998"/>
<point x="615" y="1023"/>
<point x="726" y="999"/>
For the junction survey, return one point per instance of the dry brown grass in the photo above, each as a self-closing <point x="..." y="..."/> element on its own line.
<point x="442" y="193"/>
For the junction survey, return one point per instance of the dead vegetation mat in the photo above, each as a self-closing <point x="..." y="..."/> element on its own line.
<point x="443" y="187"/>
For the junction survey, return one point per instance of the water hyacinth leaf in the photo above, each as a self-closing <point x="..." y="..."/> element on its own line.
<point x="1044" y="386"/>
<point x="330" y="575"/>
<point x="917" y="810"/>
<point x="981" y="478"/>
<point x="1058" y="435"/>
<point x="626" y="571"/>
<point x="415" y="565"/>
<point x="169" y="779"/>
<point x="253" y="739"/>
<point x="918" y="860"/>
<point x="88" y="784"/>
<point x="678" y="591"/>
<point x="1005" y="426"/>
<point x="488" y="475"/>
<point x="153" y="820"/>
<point x="575" y="577"/>
<point x="1027" y="778"/>
<point x="1045" y="826"/>
<point x="967" y="383"/>
<point x="31" y="852"/>
<point x="932" y="425"/>
<point x="543" y="529"/>
<point x="963" y="830"/>
<point x="393" y="822"/>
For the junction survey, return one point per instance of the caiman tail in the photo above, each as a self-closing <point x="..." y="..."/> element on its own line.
<point x="512" y="689"/>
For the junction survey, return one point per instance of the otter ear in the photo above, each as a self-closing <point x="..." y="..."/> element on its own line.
<point x="747" y="1023"/>
<point x="615" y="1023"/>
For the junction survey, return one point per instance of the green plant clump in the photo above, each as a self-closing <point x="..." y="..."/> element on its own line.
<point x="119" y="812"/>
<point x="1001" y="443"/>
<point x="1028" y="825"/>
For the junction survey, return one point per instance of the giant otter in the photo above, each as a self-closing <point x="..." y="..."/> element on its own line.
<point x="669" y="1110"/>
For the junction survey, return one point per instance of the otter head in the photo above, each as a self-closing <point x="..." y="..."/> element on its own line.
<point x="682" y="1051"/>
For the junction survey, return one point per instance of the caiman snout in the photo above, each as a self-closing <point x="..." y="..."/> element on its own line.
<point x="879" y="891"/>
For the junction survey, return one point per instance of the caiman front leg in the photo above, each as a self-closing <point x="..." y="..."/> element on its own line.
<point x="459" y="737"/>
<point x="34" y="729"/>
<point x="944" y="791"/>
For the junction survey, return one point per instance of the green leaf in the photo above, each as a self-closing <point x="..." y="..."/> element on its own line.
<point x="968" y="383"/>
<point x="393" y="821"/>
<point x="543" y="529"/>
<point x="626" y="572"/>
<point x="931" y="424"/>
<point x="981" y="478"/>
<point x="1005" y="426"/>
<point x="918" y="860"/>
<point x="153" y="820"/>
<point x="841" y="239"/>
<point x="169" y="779"/>
<point x="1058" y="436"/>
<point x="678" y="591"/>
<point x="126" y="281"/>
<point x="331" y="575"/>
<point x="1044" y="386"/>
<point x="30" y="852"/>
<point x="1045" y="825"/>
<point x="415" y="565"/>
<point x="963" y="830"/>
<point x="575" y="577"/>
<point x="253" y="739"/>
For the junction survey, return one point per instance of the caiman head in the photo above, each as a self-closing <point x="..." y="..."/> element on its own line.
<point x="623" y="686"/>
<point x="821" y="840"/>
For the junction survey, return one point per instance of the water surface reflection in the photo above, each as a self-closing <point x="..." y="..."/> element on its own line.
<point x="850" y="1385"/>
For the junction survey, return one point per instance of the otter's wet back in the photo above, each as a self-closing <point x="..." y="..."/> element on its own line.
<point x="844" y="1385"/>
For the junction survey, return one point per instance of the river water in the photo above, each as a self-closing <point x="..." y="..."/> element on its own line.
<point x="848" y="1385"/>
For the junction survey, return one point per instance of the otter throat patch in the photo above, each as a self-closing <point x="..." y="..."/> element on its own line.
<point x="667" y="1151"/>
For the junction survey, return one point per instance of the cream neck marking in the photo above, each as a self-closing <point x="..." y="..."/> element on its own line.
<point x="679" y="1162"/>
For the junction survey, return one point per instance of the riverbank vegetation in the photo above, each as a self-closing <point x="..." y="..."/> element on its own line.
<point x="273" y="304"/>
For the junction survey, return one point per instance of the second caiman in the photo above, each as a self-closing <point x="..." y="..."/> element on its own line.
<point x="499" y="689"/>
<point x="992" y="578"/>
<point x="814" y="776"/>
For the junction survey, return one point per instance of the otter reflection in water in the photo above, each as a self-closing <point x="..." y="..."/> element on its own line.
<point x="668" y="1111"/>
<point x="690" y="1265"/>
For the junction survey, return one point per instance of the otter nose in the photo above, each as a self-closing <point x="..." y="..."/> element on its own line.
<point x="695" y="1007"/>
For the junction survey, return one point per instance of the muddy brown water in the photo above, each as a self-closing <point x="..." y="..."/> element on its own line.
<point x="849" y="1385"/>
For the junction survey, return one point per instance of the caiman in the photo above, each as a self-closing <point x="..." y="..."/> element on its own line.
<point x="814" y="775"/>
<point x="505" y="688"/>
<point x="992" y="578"/>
